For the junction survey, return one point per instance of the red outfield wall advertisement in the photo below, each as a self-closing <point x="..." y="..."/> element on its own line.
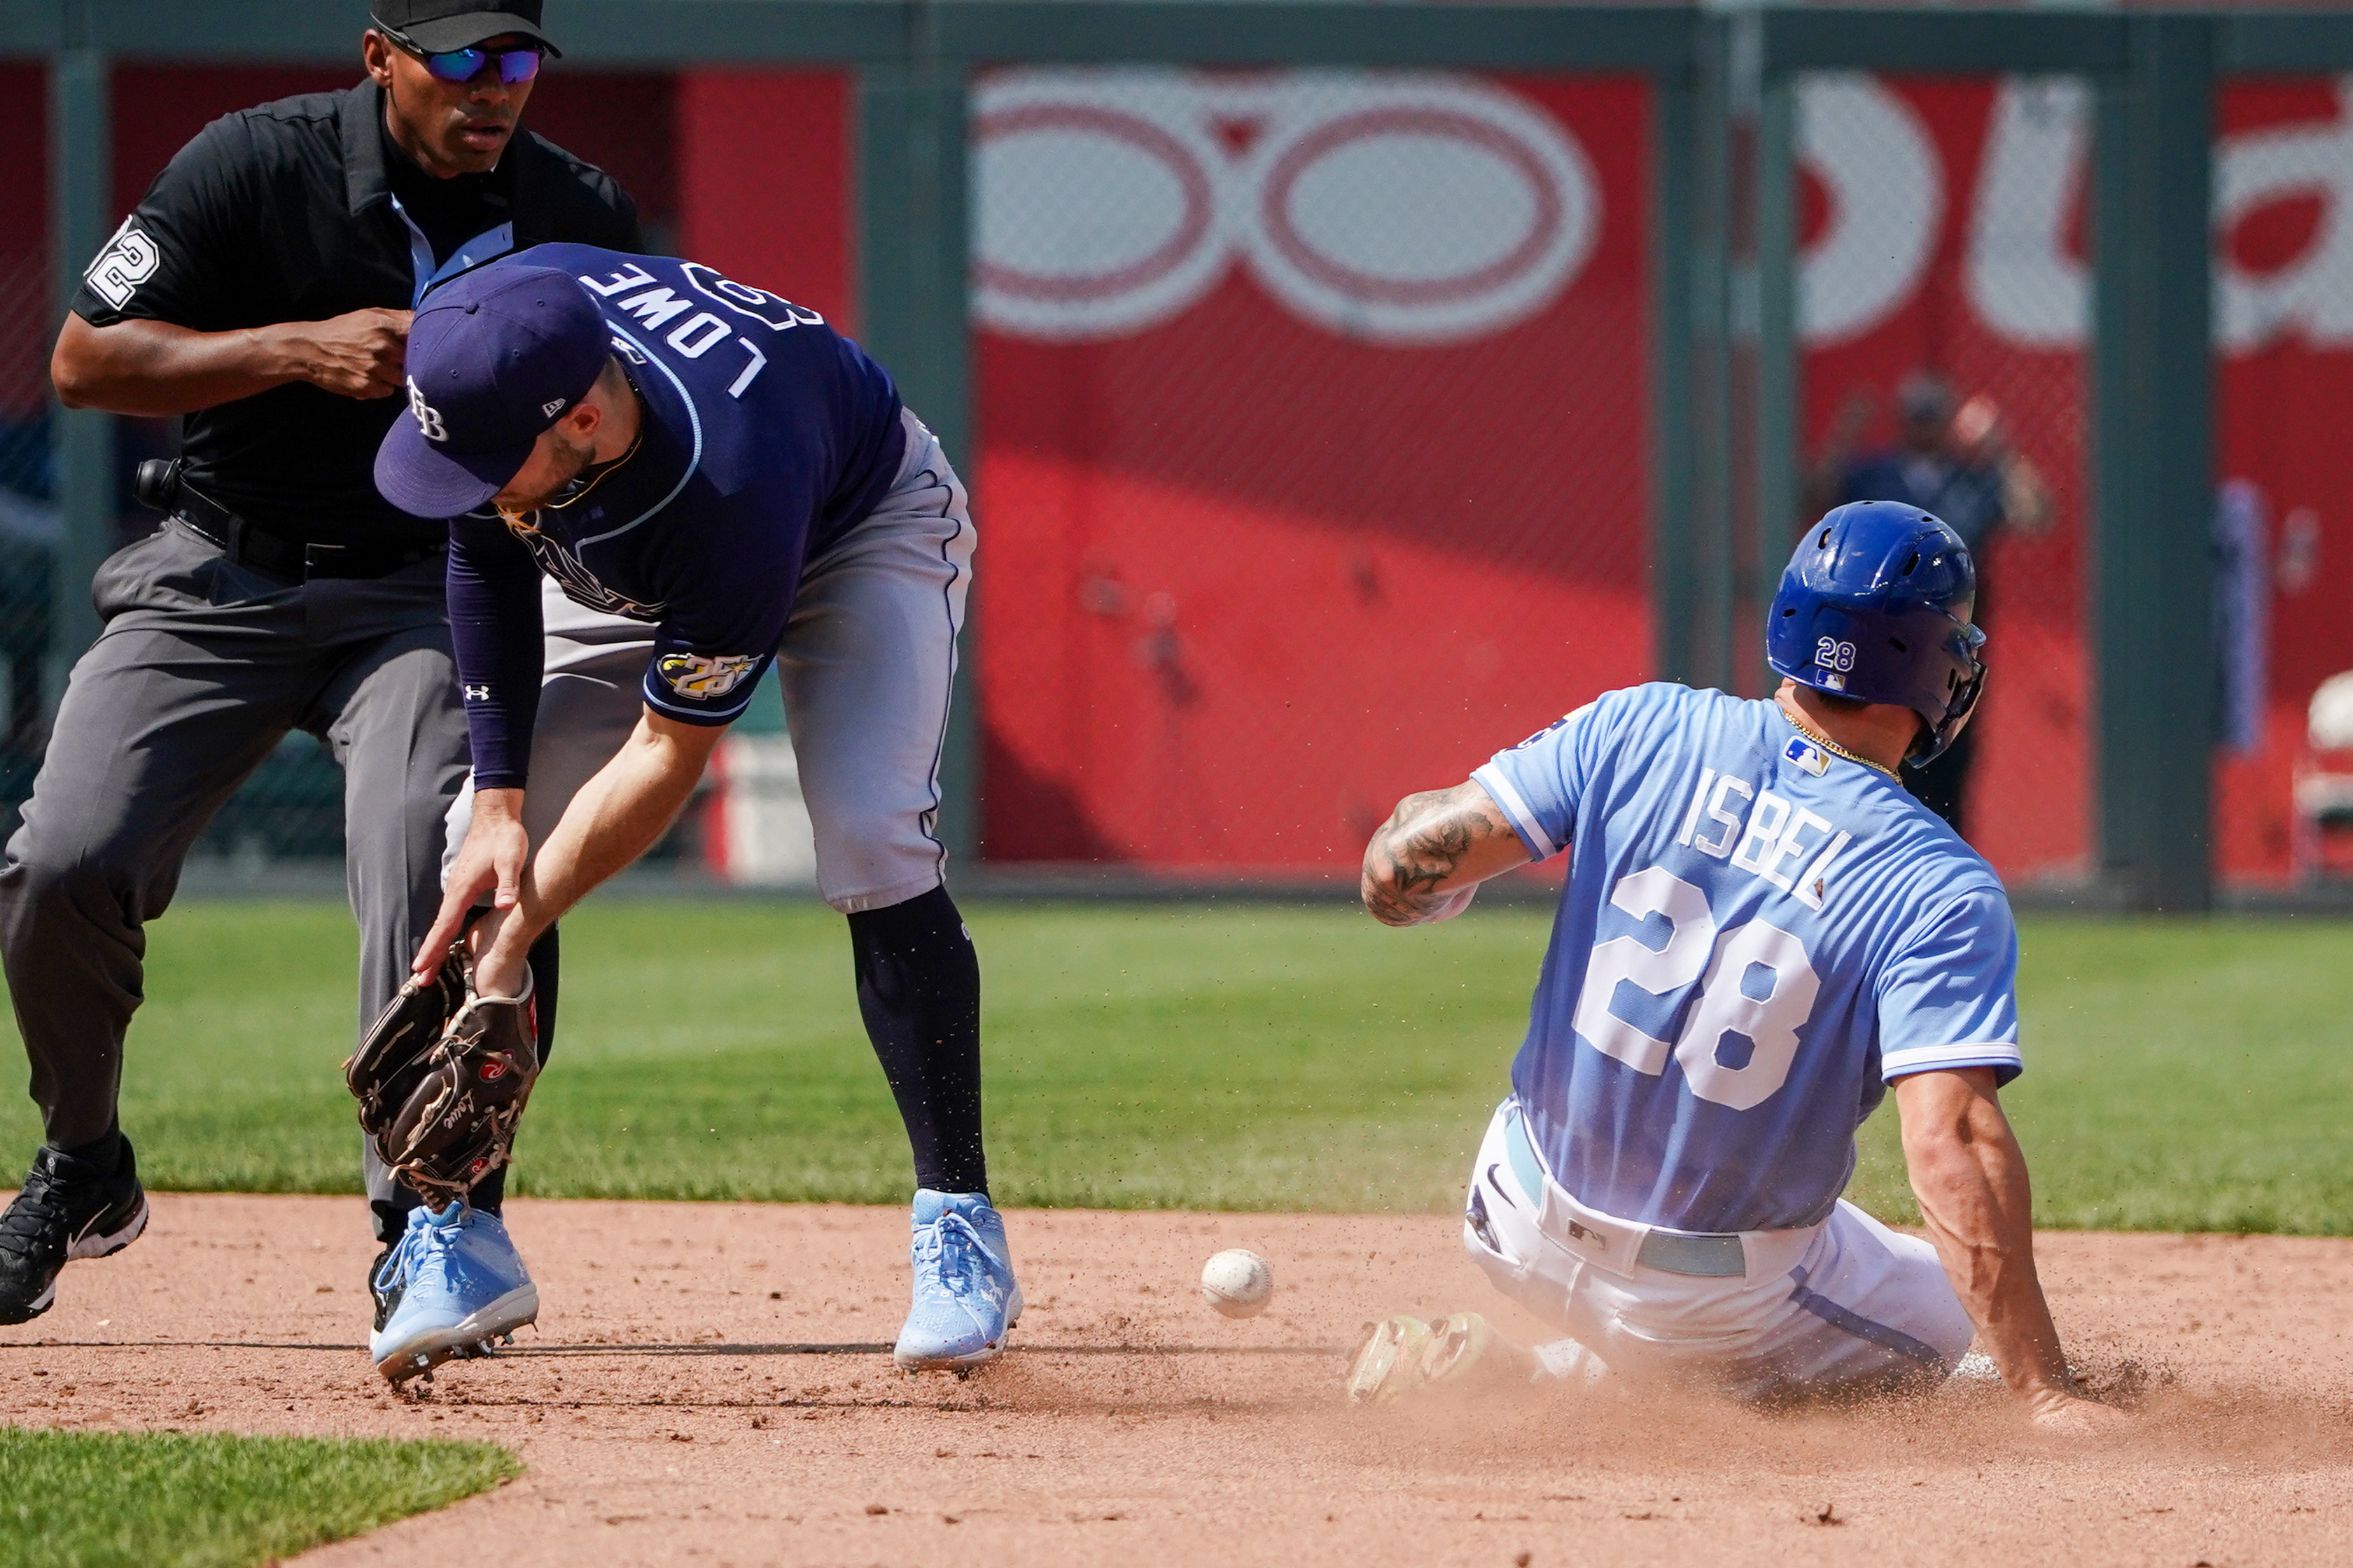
<point x="1313" y="411"/>
<point x="1311" y="419"/>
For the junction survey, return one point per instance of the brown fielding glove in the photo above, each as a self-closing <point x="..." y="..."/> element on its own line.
<point x="442" y="1079"/>
<point x="390" y="1063"/>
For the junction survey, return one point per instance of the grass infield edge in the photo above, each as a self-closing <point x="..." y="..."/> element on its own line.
<point x="206" y="1500"/>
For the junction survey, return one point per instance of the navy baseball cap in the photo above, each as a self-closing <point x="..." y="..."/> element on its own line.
<point x="495" y="358"/>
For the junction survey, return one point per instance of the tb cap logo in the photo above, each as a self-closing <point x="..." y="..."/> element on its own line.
<point x="428" y="418"/>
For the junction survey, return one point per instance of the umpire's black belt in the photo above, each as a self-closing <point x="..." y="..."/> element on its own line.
<point x="249" y="544"/>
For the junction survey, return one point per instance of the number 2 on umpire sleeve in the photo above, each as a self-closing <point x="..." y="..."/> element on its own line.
<point x="1725" y="1007"/>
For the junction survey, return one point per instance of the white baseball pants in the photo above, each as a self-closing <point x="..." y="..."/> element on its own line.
<point x="1848" y="1304"/>
<point x="868" y="663"/>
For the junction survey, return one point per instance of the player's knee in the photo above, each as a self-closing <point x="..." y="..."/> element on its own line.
<point x="104" y="876"/>
<point x="872" y="860"/>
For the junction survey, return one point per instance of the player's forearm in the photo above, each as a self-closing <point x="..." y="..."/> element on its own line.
<point x="1971" y="1177"/>
<point x="1435" y="848"/>
<point x="616" y="816"/>
<point x="154" y="368"/>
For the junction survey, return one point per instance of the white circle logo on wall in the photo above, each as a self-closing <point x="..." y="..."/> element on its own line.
<point x="1886" y="193"/>
<point x="1403" y="207"/>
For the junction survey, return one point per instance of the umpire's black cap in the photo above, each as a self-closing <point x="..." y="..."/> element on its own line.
<point x="435" y="25"/>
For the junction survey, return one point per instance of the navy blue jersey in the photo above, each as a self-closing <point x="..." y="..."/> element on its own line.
<point x="766" y="435"/>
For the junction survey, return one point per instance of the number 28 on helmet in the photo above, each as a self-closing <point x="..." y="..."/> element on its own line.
<point x="1876" y="606"/>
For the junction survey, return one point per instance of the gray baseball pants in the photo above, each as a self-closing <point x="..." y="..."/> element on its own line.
<point x="203" y="666"/>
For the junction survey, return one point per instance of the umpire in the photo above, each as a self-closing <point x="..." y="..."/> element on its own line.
<point x="262" y="291"/>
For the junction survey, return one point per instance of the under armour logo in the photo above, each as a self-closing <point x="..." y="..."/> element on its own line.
<point x="478" y="694"/>
<point x="550" y="408"/>
<point x="428" y="418"/>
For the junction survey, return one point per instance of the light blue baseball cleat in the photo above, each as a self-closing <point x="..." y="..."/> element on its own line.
<point x="453" y="1283"/>
<point x="966" y="1295"/>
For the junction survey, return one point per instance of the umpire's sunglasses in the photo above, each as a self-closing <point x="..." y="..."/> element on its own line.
<point x="515" y="66"/>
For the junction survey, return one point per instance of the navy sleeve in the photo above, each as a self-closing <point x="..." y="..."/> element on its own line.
<point x="494" y="624"/>
<point x="729" y="598"/>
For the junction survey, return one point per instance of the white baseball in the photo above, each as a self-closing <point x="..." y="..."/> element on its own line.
<point x="1237" y="1283"/>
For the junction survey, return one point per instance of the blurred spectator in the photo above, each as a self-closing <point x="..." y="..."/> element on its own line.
<point x="2242" y="604"/>
<point x="1957" y="463"/>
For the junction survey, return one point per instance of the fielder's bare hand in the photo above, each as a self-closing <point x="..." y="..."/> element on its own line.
<point x="490" y="862"/>
<point x="363" y="354"/>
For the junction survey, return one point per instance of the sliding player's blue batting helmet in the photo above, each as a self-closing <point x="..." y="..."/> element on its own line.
<point x="1876" y="606"/>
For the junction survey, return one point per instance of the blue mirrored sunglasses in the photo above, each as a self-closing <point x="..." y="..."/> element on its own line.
<point x="515" y="66"/>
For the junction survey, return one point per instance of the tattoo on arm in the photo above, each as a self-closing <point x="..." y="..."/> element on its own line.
<point x="1428" y="840"/>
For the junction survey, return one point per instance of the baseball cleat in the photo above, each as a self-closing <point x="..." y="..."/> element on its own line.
<point x="1465" y="1352"/>
<point x="966" y="1297"/>
<point x="384" y="1284"/>
<point x="1388" y="1364"/>
<point x="452" y="1283"/>
<point x="68" y="1209"/>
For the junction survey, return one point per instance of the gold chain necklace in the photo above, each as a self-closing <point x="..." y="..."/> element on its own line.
<point x="1827" y="744"/>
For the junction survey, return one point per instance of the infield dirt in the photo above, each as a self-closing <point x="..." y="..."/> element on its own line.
<point x="711" y="1384"/>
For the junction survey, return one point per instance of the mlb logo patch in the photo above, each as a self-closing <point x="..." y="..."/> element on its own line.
<point x="1807" y="755"/>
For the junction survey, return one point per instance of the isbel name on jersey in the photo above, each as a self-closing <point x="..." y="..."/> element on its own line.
<point x="1762" y="834"/>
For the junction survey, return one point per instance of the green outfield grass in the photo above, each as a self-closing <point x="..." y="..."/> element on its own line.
<point x="2184" y="1074"/>
<point x="180" y="1499"/>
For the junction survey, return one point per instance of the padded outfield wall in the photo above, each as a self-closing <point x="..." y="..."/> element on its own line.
<point x="1301" y="507"/>
<point x="1312" y="409"/>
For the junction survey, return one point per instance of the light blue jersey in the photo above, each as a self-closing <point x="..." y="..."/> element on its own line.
<point x="1756" y="936"/>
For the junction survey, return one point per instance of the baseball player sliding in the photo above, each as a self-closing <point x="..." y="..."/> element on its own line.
<point x="1761" y="932"/>
<point x="713" y="462"/>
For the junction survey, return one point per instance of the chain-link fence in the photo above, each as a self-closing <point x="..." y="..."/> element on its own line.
<point x="2284" y="328"/>
<point x="1312" y="426"/>
<point x="28" y="519"/>
<point x="1252" y="362"/>
<point x="1945" y="315"/>
<point x="1311" y="415"/>
<point x="290" y="812"/>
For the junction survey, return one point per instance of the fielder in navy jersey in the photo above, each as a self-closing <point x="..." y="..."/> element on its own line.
<point x="739" y="485"/>
<point x="1760" y="934"/>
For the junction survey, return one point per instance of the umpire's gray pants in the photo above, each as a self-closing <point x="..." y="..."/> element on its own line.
<point x="203" y="666"/>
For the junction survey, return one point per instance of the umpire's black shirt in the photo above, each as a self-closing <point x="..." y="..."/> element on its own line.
<point x="290" y="212"/>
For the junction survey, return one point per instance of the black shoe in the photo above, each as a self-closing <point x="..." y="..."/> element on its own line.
<point x="386" y="1290"/>
<point x="68" y="1208"/>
